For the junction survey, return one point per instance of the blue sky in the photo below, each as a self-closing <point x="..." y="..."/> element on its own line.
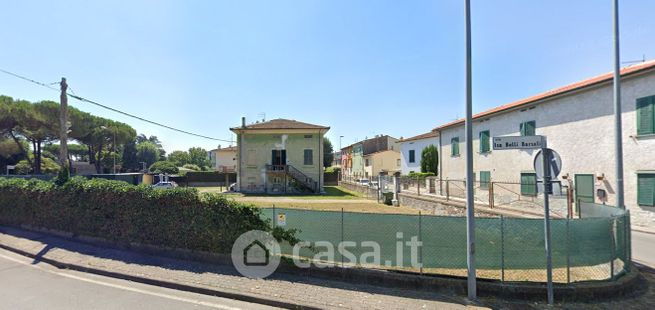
<point x="361" y="67"/>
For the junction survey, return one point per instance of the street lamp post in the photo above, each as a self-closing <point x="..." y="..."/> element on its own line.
<point x="470" y="213"/>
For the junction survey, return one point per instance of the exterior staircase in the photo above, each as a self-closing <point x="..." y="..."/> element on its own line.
<point x="302" y="179"/>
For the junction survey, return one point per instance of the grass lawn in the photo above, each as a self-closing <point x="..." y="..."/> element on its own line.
<point x="360" y="207"/>
<point x="331" y="192"/>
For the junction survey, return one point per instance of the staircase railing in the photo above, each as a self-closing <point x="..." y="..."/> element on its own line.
<point x="295" y="174"/>
<point x="301" y="177"/>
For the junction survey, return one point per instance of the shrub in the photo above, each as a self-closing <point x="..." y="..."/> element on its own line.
<point x="164" y="167"/>
<point x="191" y="167"/>
<point x="124" y="213"/>
<point x="420" y="175"/>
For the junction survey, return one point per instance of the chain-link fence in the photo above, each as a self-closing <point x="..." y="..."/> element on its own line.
<point x="596" y="247"/>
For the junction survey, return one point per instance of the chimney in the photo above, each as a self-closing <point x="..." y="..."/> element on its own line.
<point x="243" y="121"/>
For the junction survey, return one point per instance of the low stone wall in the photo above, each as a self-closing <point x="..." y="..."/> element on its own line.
<point x="368" y="191"/>
<point x="434" y="206"/>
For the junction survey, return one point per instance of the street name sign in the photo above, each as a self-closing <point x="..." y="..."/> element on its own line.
<point x="518" y="142"/>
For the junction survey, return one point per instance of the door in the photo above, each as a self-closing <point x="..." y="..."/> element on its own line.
<point x="584" y="189"/>
<point x="278" y="157"/>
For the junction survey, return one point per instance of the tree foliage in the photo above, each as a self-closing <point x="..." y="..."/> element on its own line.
<point x="179" y="158"/>
<point x="430" y="160"/>
<point x="199" y="157"/>
<point x="164" y="166"/>
<point x="328" y="152"/>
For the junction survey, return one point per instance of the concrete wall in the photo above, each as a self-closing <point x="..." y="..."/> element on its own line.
<point x="417" y="146"/>
<point x="580" y="128"/>
<point x="252" y="175"/>
<point x="226" y="159"/>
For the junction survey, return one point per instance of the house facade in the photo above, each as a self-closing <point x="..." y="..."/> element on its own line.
<point x="362" y="148"/>
<point x="224" y="159"/>
<point x="412" y="148"/>
<point x="578" y="122"/>
<point x="280" y="156"/>
<point x="386" y="162"/>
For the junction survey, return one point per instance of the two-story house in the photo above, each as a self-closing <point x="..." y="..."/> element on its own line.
<point x="280" y="156"/>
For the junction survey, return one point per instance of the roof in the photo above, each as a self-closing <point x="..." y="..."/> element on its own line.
<point x="558" y="91"/>
<point x="431" y="134"/>
<point x="281" y="123"/>
<point x="225" y="149"/>
<point x="368" y="139"/>
<point x="382" y="151"/>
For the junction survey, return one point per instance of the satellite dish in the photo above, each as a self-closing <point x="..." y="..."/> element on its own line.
<point x="554" y="160"/>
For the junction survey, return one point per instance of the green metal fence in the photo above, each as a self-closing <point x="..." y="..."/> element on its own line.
<point x="595" y="247"/>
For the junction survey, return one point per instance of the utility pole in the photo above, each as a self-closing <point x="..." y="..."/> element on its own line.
<point x="618" y="134"/>
<point x="63" y="127"/>
<point x="470" y="212"/>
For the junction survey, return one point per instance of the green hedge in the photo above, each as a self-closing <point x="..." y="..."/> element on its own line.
<point x="124" y="213"/>
<point x="209" y="176"/>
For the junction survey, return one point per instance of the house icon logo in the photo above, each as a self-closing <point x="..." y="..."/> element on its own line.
<point x="256" y="254"/>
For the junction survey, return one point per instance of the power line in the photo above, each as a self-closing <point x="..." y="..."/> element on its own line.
<point x="82" y="99"/>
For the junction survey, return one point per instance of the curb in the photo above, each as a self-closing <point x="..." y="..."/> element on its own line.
<point x="642" y="230"/>
<point x="162" y="283"/>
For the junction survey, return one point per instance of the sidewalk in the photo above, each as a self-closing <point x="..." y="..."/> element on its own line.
<point x="283" y="290"/>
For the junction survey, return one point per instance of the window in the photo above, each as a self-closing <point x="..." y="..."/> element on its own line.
<point x="308" y="157"/>
<point x="646" y="189"/>
<point x="485" y="146"/>
<point x="528" y="183"/>
<point x="366" y="162"/>
<point x="251" y="159"/>
<point x="398" y="162"/>
<point x="528" y="128"/>
<point x="412" y="156"/>
<point x="308" y="136"/>
<point x="485" y="178"/>
<point x="454" y="146"/>
<point x="646" y="115"/>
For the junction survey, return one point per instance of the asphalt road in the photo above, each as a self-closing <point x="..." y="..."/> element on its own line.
<point x="25" y="284"/>
<point x="643" y="248"/>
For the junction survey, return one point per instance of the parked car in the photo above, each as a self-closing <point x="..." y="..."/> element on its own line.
<point x="165" y="185"/>
<point x="373" y="184"/>
<point x="364" y="182"/>
<point x="233" y="187"/>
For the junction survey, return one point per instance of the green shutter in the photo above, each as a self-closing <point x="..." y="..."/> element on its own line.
<point x="646" y="189"/>
<point x="484" y="141"/>
<point x="454" y="146"/>
<point x="646" y="115"/>
<point x="529" y="184"/>
<point x="528" y="128"/>
<point x="412" y="156"/>
<point x="485" y="177"/>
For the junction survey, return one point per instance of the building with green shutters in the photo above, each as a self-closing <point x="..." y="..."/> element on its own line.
<point x="280" y="156"/>
<point x="578" y="121"/>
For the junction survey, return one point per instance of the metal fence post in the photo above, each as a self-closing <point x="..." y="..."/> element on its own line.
<point x="626" y="262"/>
<point x="418" y="186"/>
<point x="447" y="190"/>
<point x="568" y="253"/>
<point x="420" y="240"/>
<point x="342" y="237"/>
<point x="502" y="249"/>
<point x="612" y="247"/>
<point x="629" y="244"/>
<point x="490" y="192"/>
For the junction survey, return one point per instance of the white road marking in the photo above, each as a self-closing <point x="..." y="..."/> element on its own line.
<point x="132" y="289"/>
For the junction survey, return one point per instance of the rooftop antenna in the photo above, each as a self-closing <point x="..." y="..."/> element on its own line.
<point x="262" y="116"/>
<point x="643" y="59"/>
